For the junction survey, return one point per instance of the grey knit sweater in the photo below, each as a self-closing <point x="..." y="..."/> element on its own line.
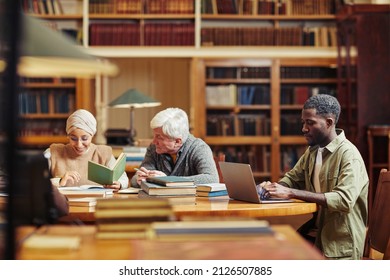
<point x="194" y="160"/>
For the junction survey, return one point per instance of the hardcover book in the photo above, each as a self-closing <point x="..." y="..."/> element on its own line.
<point x="84" y="191"/>
<point x="104" y="175"/>
<point x="82" y="201"/>
<point x="212" y="187"/>
<point x="212" y="227"/>
<point x="170" y="181"/>
<point x="212" y="194"/>
<point x="172" y="199"/>
<point x="155" y="189"/>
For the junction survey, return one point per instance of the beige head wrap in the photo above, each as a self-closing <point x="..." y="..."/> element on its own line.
<point x="81" y="119"/>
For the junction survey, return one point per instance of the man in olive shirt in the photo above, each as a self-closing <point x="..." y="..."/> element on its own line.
<point x="338" y="229"/>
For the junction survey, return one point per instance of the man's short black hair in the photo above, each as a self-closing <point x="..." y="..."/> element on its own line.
<point x="325" y="105"/>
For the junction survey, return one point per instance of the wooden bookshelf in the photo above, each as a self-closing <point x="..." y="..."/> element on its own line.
<point x="181" y="24"/>
<point x="269" y="123"/>
<point x="44" y="106"/>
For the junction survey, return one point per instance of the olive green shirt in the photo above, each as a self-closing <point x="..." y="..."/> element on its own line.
<point x="344" y="181"/>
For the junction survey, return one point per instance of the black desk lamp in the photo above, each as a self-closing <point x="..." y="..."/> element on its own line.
<point x="133" y="99"/>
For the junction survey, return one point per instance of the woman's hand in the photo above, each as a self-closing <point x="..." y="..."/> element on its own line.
<point x="70" y="178"/>
<point x="116" y="186"/>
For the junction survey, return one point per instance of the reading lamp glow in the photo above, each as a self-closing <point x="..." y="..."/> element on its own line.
<point x="45" y="52"/>
<point x="133" y="99"/>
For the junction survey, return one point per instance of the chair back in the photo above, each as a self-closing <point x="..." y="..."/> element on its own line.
<point x="217" y="159"/>
<point x="379" y="224"/>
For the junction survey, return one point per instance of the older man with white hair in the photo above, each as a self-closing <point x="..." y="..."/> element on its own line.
<point x="175" y="151"/>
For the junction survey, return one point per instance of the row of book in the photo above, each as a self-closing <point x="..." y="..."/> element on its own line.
<point x="238" y="125"/>
<point x="44" y="101"/>
<point x="286" y="72"/>
<point x="231" y="95"/>
<point x="271" y="7"/>
<point x="325" y="36"/>
<point x="43" y="7"/>
<point x="291" y="94"/>
<point x="45" y="80"/>
<point x="41" y="127"/>
<point x="141" y="6"/>
<point x="309" y="72"/>
<point x="238" y="72"/>
<point x="149" y="34"/>
<point x="289" y="157"/>
<point x="257" y="156"/>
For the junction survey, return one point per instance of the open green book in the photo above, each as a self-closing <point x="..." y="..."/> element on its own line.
<point x="104" y="175"/>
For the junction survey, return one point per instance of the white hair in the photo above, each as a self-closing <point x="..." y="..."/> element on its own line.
<point x="173" y="122"/>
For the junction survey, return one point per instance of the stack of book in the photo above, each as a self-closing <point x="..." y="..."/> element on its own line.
<point x="177" y="190"/>
<point x="129" y="218"/>
<point x="211" y="190"/>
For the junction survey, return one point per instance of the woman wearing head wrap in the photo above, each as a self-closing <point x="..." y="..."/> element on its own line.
<point x="69" y="162"/>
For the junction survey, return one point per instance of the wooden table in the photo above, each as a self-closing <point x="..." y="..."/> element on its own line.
<point x="215" y="207"/>
<point x="285" y="244"/>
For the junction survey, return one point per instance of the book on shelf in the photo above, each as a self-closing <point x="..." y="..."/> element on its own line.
<point x="212" y="193"/>
<point x="104" y="175"/>
<point x="211" y="187"/>
<point x="82" y="201"/>
<point x="172" y="199"/>
<point x="155" y="189"/>
<point x="171" y="181"/>
<point x="239" y="227"/>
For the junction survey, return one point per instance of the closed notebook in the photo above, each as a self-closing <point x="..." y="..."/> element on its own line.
<point x="155" y="189"/>
<point x="104" y="175"/>
<point x="171" y="181"/>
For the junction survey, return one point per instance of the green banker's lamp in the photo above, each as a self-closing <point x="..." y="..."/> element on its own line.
<point x="46" y="53"/>
<point x="133" y="99"/>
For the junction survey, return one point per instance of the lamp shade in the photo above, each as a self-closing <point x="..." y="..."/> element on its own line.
<point x="134" y="99"/>
<point x="45" y="52"/>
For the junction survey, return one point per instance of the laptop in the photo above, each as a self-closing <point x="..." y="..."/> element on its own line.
<point x="240" y="184"/>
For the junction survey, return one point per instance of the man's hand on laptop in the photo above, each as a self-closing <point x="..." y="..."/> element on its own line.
<point x="263" y="193"/>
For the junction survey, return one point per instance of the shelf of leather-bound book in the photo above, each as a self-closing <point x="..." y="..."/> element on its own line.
<point x="229" y="17"/>
<point x="142" y="16"/>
